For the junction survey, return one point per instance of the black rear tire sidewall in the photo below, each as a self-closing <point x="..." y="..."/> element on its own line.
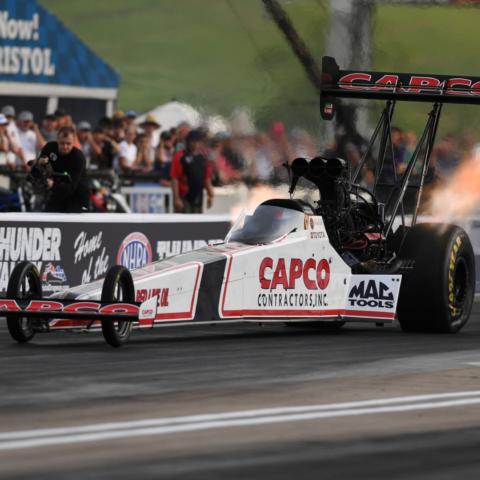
<point x="459" y="253"/>
<point x="427" y="294"/>
<point x="117" y="275"/>
<point x="15" y="325"/>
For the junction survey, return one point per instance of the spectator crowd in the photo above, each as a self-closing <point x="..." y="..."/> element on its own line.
<point x="122" y="144"/>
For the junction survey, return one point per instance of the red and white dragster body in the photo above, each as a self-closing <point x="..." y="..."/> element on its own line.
<point x="298" y="276"/>
<point x="291" y="274"/>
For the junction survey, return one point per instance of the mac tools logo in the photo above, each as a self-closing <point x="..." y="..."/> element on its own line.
<point x="374" y="293"/>
<point x="135" y="251"/>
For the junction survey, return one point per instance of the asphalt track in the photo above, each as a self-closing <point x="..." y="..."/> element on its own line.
<point x="243" y="402"/>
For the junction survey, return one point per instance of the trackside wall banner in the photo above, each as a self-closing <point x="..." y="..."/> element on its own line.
<point x="69" y="253"/>
<point x="35" y="47"/>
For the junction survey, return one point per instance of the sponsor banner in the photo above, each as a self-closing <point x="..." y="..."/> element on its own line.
<point x="36" y="47"/>
<point x="40" y="244"/>
<point x="70" y="253"/>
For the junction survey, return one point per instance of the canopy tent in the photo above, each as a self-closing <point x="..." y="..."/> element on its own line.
<point x="44" y="66"/>
<point x="171" y="114"/>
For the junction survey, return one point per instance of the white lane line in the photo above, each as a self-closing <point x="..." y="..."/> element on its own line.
<point x="230" y="415"/>
<point x="151" y="422"/>
<point x="229" y="419"/>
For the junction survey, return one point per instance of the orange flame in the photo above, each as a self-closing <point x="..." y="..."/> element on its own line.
<point x="459" y="195"/>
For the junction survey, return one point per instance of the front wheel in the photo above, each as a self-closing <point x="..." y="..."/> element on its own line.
<point x="437" y="295"/>
<point x="24" y="283"/>
<point x="117" y="287"/>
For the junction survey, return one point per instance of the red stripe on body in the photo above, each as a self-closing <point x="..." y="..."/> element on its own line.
<point x="183" y="315"/>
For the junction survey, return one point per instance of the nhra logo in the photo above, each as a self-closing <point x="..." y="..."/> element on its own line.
<point x="371" y="293"/>
<point x="135" y="251"/>
<point x="314" y="275"/>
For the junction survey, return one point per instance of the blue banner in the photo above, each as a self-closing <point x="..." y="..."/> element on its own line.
<point x="35" y="47"/>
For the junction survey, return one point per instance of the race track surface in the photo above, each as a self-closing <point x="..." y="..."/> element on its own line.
<point x="243" y="401"/>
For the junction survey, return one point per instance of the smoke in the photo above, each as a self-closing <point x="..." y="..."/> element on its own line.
<point x="459" y="196"/>
<point x="255" y="197"/>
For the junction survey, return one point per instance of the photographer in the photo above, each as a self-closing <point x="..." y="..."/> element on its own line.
<point x="64" y="169"/>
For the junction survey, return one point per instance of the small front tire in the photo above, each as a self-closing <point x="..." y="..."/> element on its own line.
<point x="24" y="283"/>
<point x="117" y="287"/>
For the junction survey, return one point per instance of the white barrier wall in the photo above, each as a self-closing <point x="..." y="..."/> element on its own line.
<point x="73" y="249"/>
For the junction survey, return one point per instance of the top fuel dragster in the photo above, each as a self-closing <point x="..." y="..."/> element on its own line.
<point x="334" y="261"/>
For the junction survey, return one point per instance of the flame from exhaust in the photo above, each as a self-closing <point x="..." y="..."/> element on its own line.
<point x="459" y="196"/>
<point x="256" y="196"/>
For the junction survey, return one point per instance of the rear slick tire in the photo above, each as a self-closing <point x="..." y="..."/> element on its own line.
<point x="24" y="282"/>
<point x="437" y="294"/>
<point x="117" y="287"/>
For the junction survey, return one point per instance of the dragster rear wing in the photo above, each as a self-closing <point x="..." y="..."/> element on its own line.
<point x="411" y="87"/>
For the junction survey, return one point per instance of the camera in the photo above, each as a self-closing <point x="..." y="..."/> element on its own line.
<point x="40" y="171"/>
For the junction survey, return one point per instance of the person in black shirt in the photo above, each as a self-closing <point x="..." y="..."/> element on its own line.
<point x="70" y="194"/>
